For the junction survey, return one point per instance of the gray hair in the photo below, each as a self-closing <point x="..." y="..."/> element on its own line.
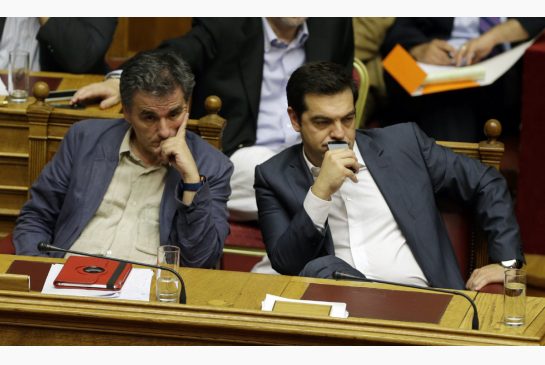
<point x="157" y="72"/>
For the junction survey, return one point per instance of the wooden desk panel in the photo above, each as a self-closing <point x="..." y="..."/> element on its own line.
<point x="223" y="308"/>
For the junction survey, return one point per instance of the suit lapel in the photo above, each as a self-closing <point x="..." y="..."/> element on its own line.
<point x="314" y="46"/>
<point x="300" y="180"/>
<point x="298" y="176"/>
<point x="387" y="178"/>
<point x="251" y="62"/>
<point x="102" y="171"/>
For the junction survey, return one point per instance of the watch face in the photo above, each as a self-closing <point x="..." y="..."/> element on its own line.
<point x="511" y="264"/>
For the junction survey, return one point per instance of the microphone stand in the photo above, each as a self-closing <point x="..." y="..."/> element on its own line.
<point x="475" y="322"/>
<point x="44" y="247"/>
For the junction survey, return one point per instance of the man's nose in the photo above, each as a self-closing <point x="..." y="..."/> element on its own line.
<point x="163" y="129"/>
<point x="337" y="130"/>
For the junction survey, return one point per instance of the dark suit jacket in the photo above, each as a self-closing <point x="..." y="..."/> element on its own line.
<point x="71" y="187"/>
<point x="75" y="45"/>
<point x="226" y="56"/>
<point x="410" y="170"/>
<point x="410" y="32"/>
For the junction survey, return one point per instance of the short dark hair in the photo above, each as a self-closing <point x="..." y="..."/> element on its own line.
<point x="321" y="78"/>
<point x="158" y="72"/>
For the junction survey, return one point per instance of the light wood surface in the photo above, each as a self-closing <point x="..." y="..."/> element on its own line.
<point x="224" y="308"/>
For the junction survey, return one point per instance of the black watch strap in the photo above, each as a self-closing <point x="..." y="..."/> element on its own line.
<point x="192" y="186"/>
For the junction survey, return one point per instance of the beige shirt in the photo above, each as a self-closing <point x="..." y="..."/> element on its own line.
<point x="126" y="225"/>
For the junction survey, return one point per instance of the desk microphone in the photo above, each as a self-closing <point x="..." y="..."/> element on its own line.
<point x="475" y="323"/>
<point x="45" y="247"/>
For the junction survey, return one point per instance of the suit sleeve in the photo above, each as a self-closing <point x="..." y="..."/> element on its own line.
<point x="480" y="186"/>
<point x="198" y="46"/>
<point x="291" y="241"/>
<point x="77" y="44"/>
<point x="533" y="26"/>
<point x="38" y="217"/>
<point x="200" y="229"/>
<point x="406" y="31"/>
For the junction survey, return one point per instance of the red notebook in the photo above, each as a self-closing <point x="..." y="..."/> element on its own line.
<point x="80" y="272"/>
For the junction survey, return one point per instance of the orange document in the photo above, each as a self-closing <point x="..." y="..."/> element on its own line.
<point x="406" y="71"/>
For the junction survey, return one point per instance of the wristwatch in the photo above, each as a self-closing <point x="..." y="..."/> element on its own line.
<point x="511" y="264"/>
<point x="193" y="186"/>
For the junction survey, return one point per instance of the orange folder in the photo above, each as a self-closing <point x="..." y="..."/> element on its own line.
<point x="405" y="70"/>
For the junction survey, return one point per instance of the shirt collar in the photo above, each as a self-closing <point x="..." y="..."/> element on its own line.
<point x="125" y="149"/>
<point x="271" y="40"/>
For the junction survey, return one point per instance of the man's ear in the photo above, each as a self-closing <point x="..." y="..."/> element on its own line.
<point x="126" y="115"/>
<point x="295" y="123"/>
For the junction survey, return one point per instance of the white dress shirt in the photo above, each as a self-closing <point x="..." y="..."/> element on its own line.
<point x="364" y="231"/>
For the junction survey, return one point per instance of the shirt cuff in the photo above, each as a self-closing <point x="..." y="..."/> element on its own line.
<point x="317" y="209"/>
<point x="115" y="74"/>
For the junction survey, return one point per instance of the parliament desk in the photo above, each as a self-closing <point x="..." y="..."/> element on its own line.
<point x="223" y="308"/>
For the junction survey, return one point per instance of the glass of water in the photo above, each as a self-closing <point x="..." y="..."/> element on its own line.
<point x="166" y="283"/>
<point x="18" y="76"/>
<point x="514" y="297"/>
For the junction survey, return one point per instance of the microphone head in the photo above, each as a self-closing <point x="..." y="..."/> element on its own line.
<point x="44" y="246"/>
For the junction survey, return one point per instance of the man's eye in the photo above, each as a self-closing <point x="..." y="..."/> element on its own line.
<point x="174" y="115"/>
<point x="349" y="120"/>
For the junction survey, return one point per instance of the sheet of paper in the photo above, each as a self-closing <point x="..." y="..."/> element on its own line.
<point x="338" y="310"/>
<point x="136" y="287"/>
<point x="484" y="73"/>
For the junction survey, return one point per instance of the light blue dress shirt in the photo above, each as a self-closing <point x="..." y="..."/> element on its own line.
<point x="274" y="129"/>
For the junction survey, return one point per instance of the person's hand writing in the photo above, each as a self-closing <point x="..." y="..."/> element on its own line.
<point x="475" y="50"/>
<point x="492" y="273"/>
<point x="336" y="166"/>
<point x="107" y="91"/>
<point x="436" y="52"/>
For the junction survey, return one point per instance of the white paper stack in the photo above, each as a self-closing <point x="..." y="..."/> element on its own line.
<point x="338" y="310"/>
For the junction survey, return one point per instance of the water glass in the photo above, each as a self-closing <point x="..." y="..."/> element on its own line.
<point x="166" y="283"/>
<point x="514" y="297"/>
<point x="18" y="76"/>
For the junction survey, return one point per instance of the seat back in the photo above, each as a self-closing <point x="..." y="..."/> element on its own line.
<point x="361" y="78"/>
<point x="468" y="240"/>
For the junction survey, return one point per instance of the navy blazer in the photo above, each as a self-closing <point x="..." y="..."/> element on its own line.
<point x="227" y="55"/>
<point x="410" y="170"/>
<point x="71" y="187"/>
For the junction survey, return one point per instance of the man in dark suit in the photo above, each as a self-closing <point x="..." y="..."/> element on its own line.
<point x="247" y="62"/>
<point x="123" y="187"/>
<point x="459" y="115"/>
<point x="370" y="207"/>
<point x="75" y="45"/>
